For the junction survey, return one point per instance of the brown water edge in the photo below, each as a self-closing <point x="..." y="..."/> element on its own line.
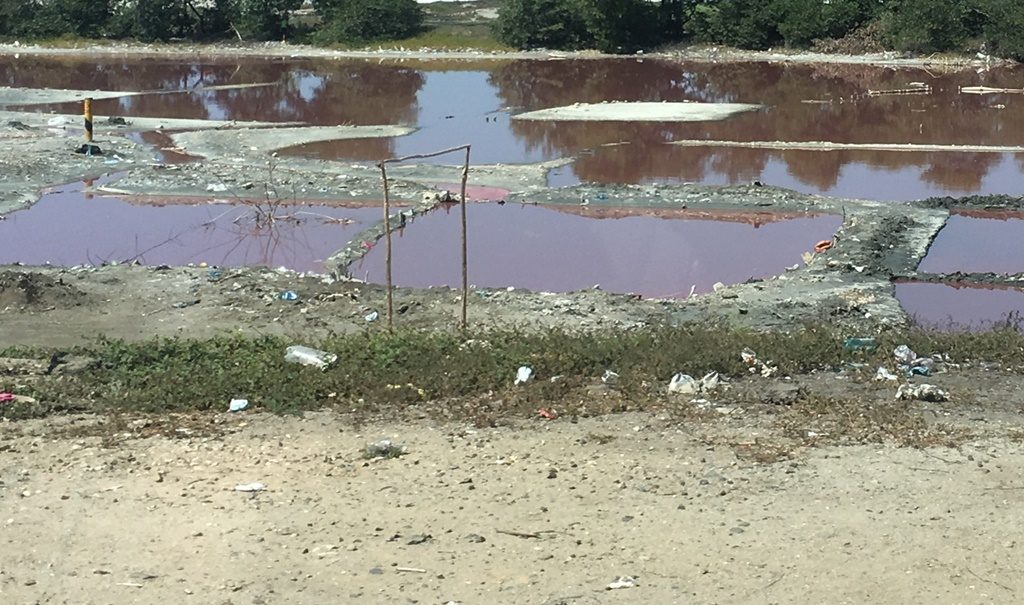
<point x="961" y="305"/>
<point x="978" y="242"/>
<point x="70" y="227"/>
<point x="543" y="249"/>
<point x="464" y="102"/>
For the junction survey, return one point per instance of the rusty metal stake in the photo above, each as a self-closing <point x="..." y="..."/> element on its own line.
<point x="87" y="114"/>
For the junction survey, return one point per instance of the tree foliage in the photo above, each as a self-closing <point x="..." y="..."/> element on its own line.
<point x="543" y="24"/>
<point x="368" y="20"/>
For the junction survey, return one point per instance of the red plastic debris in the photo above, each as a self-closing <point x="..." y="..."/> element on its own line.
<point x="547" y="413"/>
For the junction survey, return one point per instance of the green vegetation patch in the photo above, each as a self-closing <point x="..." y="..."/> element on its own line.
<point x="467" y="376"/>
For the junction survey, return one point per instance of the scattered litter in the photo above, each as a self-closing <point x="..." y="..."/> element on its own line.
<point x="921" y="392"/>
<point x="610" y="377"/>
<point x="766" y="369"/>
<point x="904" y="355"/>
<point x="385" y="448"/>
<point x="250" y="487"/>
<point x="57" y="121"/>
<point x="710" y="382"/>
<point x="910" y="363"/>
<point x="289" y="295"/>
<point x="547" y="413"/>
<point x="868" y="344"/>
<point x="884" y="374"/>
<point x="683" y="384"/>
<point x="237" y="405"/>
<point x="372" y="316"/>
<point x="622" y="582"/>
<point x="922" y="366"/>
<point x="822" y="246"/>
<point x="309" y="357"/>
<point x="523" y="375"/>
<point x="217" y="187"/>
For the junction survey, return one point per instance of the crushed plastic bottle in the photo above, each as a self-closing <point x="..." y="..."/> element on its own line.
<point x="309" y="357"/>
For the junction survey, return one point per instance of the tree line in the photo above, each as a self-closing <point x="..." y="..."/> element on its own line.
<point x="922" y="26"/>
<point x="207" y="20"/>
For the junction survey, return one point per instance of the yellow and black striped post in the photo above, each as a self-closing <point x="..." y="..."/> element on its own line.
<point x="87" y="113"/>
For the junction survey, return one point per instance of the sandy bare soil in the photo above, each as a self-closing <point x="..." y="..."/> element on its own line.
<point x="92" y="511"/>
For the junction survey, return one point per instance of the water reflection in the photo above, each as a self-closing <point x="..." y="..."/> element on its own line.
<point x="455" y="102"/>
<point x="978" y="242"/>
<point x="565" y="249"/>
<point x="94" y="230"/>
<point x="961" y="306"/>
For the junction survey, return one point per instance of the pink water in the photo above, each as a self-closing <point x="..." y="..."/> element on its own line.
<point x="71" y="228"/>
<point x="981" y="242"/>
<point x="967" y="306"/>
<point x="545" y="249"/>
<point x="456" y="102"/>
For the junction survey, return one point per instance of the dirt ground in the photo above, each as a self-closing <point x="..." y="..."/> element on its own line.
<point x="112" y="510"/>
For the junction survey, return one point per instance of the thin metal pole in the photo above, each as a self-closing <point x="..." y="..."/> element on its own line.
<point x="465" y="247"/>
<point x="387" y="238"/>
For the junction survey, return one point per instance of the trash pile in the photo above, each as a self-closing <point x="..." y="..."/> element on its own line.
<point x="684" y="384"/>
<point x="756" y="366"/>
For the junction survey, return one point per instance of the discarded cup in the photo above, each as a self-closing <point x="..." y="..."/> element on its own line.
<point x="309" y="357"/>
<point x="237" y="405"/>
<point x="749" y="357"/>
<point x="371" y="316"/>
<point x="523" y="375"/>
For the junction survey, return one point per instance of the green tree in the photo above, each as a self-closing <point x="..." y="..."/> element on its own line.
<point x="741" y="23"/>
<point x="927" y="25"/>
<point x="265" y="19"/>
<point x="162" y="19"/>
<point x="621" y="25"/>
<point x="543" y="24"/>
<point x="1003" y="27"/>
<point x="368" y="20"/>
<point x="672" y="16"/>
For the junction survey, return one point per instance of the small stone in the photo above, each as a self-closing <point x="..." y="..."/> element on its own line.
<point x="475" y="538"/>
